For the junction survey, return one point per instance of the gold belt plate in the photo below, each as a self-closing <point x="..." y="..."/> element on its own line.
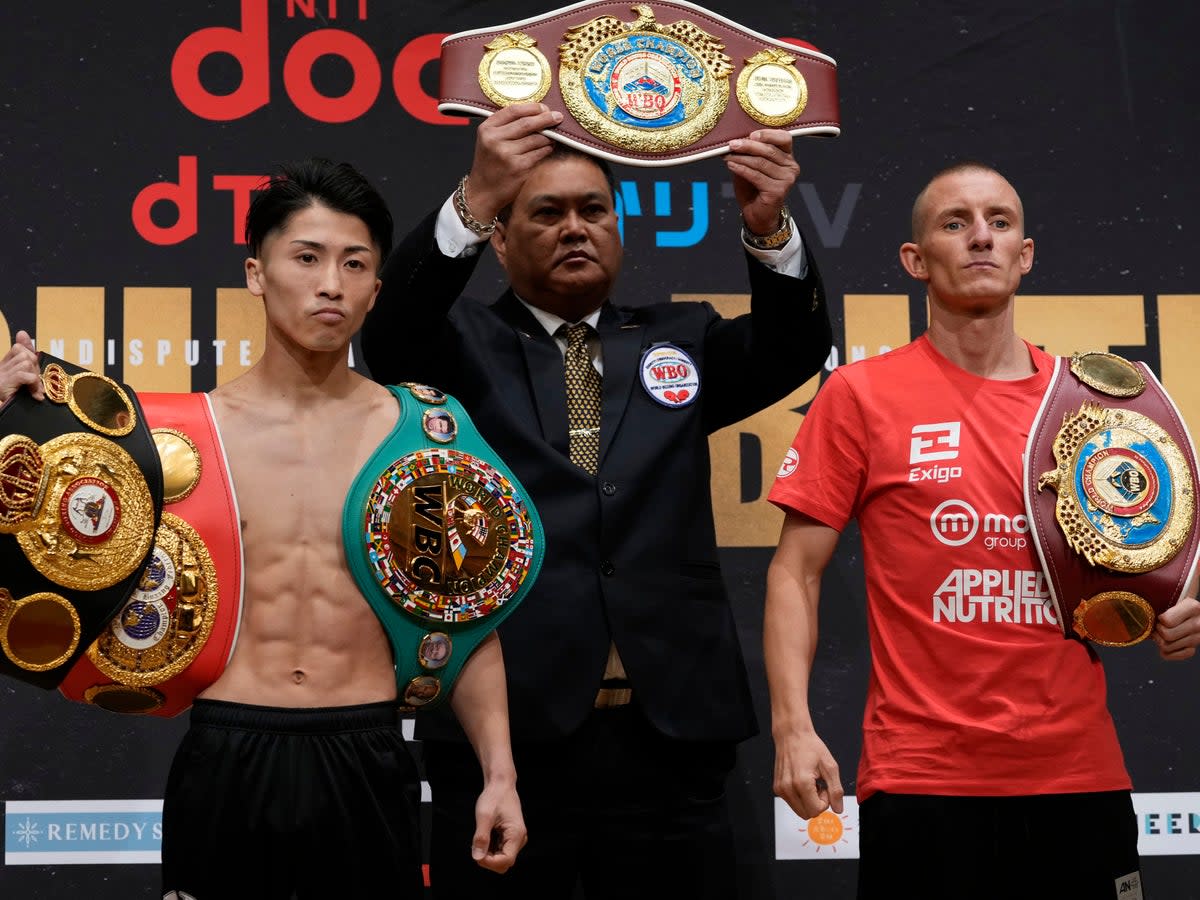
<point x="1125" y="494"/>
<point x="95" y="519"/>
<point x="167" y="620"/>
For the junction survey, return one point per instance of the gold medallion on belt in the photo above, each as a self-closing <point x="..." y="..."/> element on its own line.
<point x="168" y="618"/>
<point x="513" y="70"/>
<point x="643" y="85"/>
<point x="771" y="89"/>
<point x="1125" y="495"/>
<point x="89" y="522"/>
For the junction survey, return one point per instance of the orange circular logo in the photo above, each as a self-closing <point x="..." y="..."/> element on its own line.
<point x="826" y="828"/>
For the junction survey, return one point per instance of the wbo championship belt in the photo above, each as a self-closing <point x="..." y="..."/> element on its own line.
<point x="175" y="633"/>
<point x="441" y="539"/>
<point x="1110" y="491"/>
<point x="80" y="499"/>
<point x="647" y="84"/>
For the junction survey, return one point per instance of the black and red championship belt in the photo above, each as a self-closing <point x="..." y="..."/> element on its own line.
<point x="648" y="84"/>
<point x="175" y="633"/>
<point x="1110" y="491"/>
<point x="80" y="499"/>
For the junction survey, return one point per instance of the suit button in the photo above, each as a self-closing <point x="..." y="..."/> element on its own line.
<point x="609" y="488"/>
<point x="607" y="568"/>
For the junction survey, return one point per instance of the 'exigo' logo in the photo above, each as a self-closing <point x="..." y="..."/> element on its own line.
<point x="933" y="443"/>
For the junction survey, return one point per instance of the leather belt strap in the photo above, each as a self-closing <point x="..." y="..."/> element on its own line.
<point x="80" y="499"/>
<point x="652" y="84"/>
<point x="176" y="633"/>
<point x="1110" y="480"/>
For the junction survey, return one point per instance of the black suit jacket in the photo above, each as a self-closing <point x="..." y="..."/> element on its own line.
<point x="631" y="553"/>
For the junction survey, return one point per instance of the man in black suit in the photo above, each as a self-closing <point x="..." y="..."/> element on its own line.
<point x="628" y="690"/>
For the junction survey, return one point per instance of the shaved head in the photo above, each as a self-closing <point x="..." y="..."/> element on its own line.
<point x="920" y="209"/>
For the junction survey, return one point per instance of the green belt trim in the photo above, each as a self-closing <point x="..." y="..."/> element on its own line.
<point x="407" y="629"/>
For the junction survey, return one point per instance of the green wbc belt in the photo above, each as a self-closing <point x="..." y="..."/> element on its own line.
<point x="442" y="540"/>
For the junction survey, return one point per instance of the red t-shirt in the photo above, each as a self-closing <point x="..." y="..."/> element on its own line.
<point x="974" y="690"/>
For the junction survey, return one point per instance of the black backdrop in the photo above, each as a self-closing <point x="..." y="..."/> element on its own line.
<point x="1088" y="107"/>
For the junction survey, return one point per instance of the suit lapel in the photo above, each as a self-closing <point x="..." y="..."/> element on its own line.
<point x="621" y="343"/>
<point x="543" y="370"/>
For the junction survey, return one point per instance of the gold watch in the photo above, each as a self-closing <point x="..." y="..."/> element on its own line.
<point x="775" y="239"/>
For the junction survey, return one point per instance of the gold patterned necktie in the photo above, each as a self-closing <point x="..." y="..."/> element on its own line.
<point x="583" y="397"/>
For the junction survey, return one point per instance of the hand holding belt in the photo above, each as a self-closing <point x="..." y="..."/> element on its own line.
<point x="175" y="634"/>
<point x="441" y="539"/>
<point x="80" y="499"/>
<point x="1110" y="491"/>
<point x="650" y="91"/>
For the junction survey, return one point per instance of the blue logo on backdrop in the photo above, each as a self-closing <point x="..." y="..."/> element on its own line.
<point x="688" y="205"/>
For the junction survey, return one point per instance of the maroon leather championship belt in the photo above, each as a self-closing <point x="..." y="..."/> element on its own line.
<point x="80" y="498"/>
<point x="648" y="84"/>
<point x="175" y="633"/>
<point x="1110" y="491"/>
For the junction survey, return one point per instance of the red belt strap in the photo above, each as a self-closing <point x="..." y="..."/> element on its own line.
<point x="175" y="634"/>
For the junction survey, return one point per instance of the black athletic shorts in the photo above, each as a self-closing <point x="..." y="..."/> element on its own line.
<point x="292" y="803"/>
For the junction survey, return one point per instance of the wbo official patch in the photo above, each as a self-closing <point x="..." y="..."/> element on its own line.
<point x="670" y="376"/>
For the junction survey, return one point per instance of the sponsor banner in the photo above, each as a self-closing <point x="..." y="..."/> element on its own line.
<point x="90" y="832"/>
<point x="58" y="832"/>
<point x="1168" y="825"/>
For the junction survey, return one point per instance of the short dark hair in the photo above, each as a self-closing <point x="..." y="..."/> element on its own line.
<point x="296" y="186"/>
<point x="559" y="150"/>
